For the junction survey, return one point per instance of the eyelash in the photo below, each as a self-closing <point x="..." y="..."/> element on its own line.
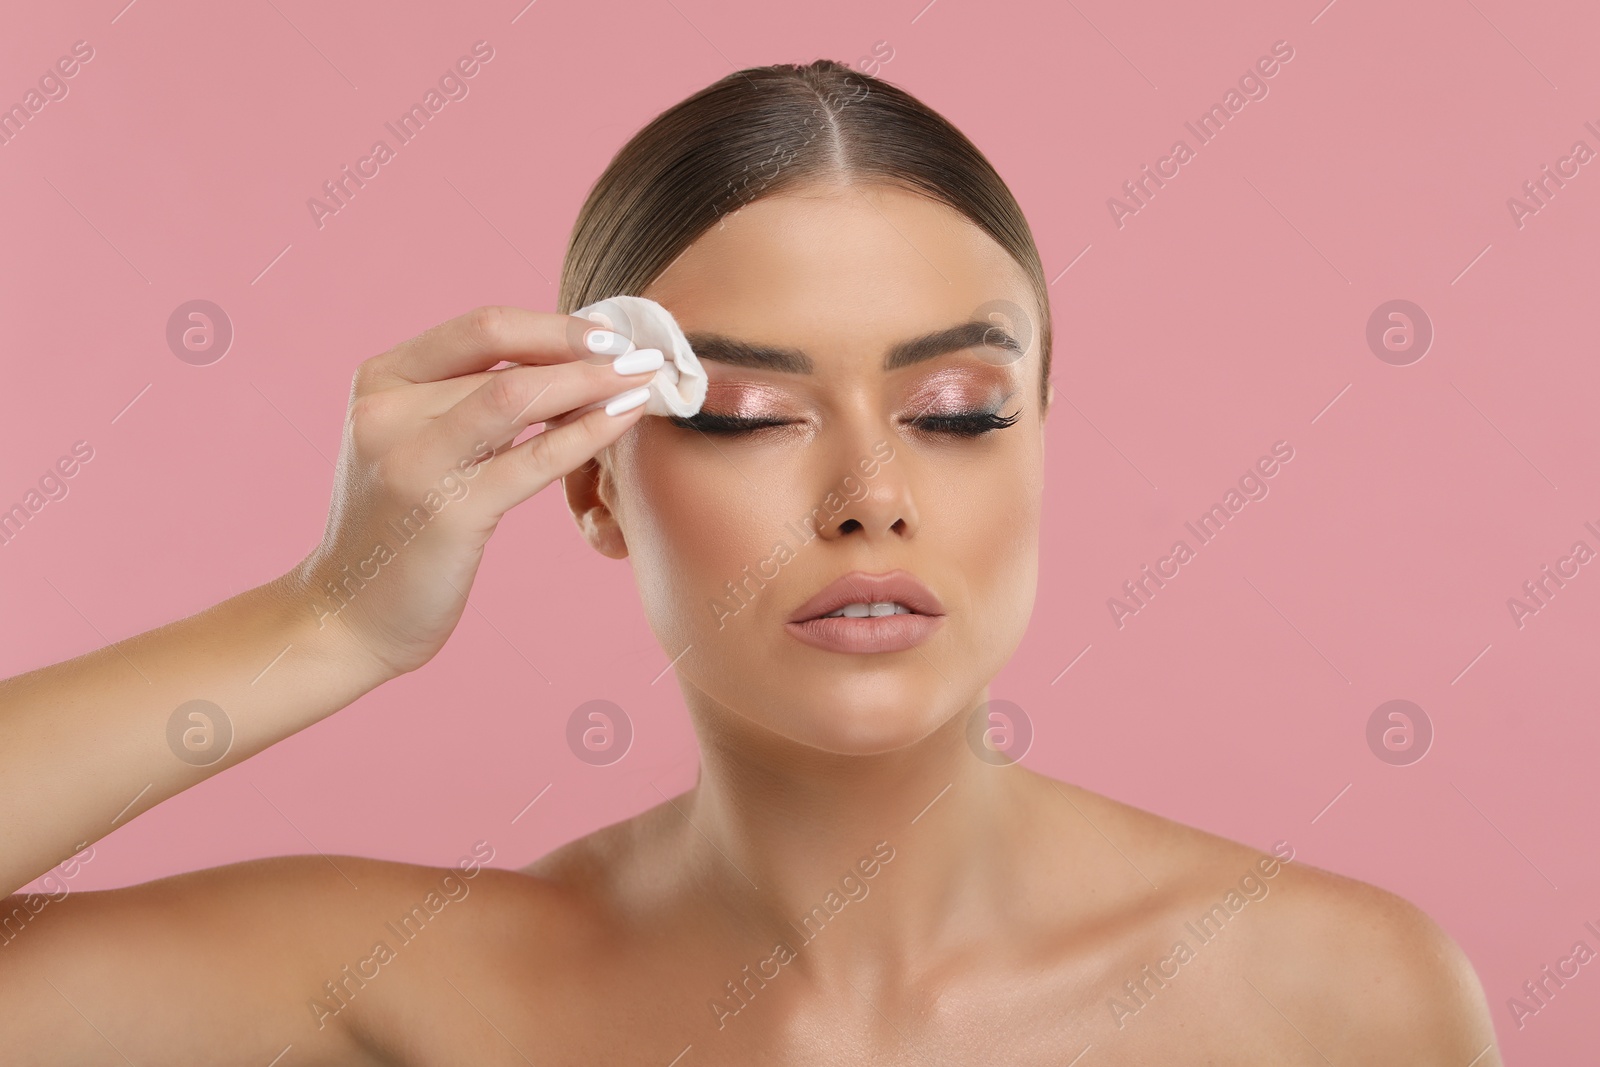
<point x="959" y="424"/>
<point x="966" y="423"/>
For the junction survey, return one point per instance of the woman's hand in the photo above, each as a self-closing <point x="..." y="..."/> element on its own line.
<point x="427" y="466"/>
<point x="425" y="472"/>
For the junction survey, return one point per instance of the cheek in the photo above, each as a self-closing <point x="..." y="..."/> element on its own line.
<point x="693" y="522"/>
<point x="988" y="521"/>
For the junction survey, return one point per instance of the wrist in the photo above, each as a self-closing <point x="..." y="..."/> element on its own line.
<point x="313" y="627"/>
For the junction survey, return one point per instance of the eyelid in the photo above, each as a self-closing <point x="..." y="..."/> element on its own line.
<point x="746" y="399"/>
<point x="745" y="385"/>
<point x="965" y="379"/>
<point x="714" y="423"/>
<point x="989" y="398"/>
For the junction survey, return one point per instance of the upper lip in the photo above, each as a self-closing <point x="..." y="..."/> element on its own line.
<point x="858" y="587"/>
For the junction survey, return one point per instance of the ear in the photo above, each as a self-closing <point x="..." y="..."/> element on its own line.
<point x="1049" y="398"/>
<point x="587" y="489"/>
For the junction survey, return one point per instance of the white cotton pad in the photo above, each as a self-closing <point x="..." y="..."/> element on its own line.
<point x="679" y="386"/>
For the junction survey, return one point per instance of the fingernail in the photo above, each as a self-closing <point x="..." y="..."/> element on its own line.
<point x="638" y="361"/>
<point x="607" y="341"/>
<point x="627" y="401"/>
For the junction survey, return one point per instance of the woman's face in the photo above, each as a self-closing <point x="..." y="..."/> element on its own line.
<point x="808" y="465"/>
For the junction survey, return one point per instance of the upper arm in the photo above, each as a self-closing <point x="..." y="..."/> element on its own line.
<point x="218" y="966"/>
<point x="1384" y="982"/>
<point x="1435" y="1012"/>
<point x="1462" y="1013"/>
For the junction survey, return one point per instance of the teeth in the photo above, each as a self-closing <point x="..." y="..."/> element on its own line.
<point x="861" y="610"/>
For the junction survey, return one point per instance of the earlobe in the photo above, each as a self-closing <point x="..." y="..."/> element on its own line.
<point x="594" y="517"/>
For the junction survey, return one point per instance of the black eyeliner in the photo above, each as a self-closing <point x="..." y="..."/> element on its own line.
<point x="957" y="424"/>
<point x="713" y="423"/>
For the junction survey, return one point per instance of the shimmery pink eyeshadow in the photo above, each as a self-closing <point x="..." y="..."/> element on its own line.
<point x="957" y="389"/>
<point x="747" y="400"/>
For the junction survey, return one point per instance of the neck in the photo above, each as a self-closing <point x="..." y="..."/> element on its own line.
<point x="787" y="825"/>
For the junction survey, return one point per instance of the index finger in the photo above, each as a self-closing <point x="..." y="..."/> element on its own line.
<point x="479" y="340"/>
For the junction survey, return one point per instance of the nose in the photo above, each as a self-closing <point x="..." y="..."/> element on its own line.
<point x="873" y="498"/>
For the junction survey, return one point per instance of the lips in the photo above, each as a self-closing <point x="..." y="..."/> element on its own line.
<point x="879" y="633"/>
<point x="858" y="587"/>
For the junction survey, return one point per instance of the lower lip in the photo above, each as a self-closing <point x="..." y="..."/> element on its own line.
<point x="882" y="633"/>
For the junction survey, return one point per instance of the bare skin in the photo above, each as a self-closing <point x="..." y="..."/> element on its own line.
<point x="847" y="882"/>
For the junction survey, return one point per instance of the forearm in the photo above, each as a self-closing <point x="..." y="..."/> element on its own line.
<point x="88" y="744"/>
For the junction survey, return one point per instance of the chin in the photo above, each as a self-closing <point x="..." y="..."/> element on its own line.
<point x="845" y="721"/>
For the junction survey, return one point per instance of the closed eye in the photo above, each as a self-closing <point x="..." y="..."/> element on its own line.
<point x="955" y="424"/>
<point x="723" y="425"/>
<point x="964" y="423"/>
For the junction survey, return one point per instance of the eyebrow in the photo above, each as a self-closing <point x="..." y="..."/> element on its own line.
<point x="974" y="334"/>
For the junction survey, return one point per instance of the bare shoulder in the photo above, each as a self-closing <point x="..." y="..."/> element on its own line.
<point x="276" y="948"/>
<point x="1374" y="969"/>
<point x="605" y="864"/>
<point x="1341" y="964"/>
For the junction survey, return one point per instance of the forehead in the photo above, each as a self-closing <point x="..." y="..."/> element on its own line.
<point x="840" y="269"/>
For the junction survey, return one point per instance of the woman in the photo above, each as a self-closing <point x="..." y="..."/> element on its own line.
<point x="853" y="878"/>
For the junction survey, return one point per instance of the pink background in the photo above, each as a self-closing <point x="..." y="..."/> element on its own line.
<point x="1226" y="315"/>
